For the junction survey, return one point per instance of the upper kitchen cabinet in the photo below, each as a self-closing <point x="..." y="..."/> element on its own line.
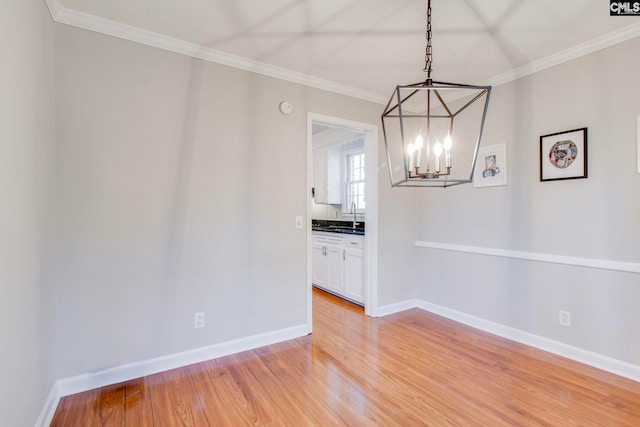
<point x="333" y="154"/>
<point x="327" y="175"/>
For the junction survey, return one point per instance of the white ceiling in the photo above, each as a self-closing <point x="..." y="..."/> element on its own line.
<point x="363" y="47"/>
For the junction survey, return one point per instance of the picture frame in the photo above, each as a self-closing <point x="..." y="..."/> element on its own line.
<point x="563" y="155"/>
<point x="491" y="166"/>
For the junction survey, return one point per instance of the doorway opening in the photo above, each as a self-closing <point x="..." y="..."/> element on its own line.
<point x="348" y="151"/>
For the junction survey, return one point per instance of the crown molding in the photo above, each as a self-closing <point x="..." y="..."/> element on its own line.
<point x="109" y="27"/>
<point x="607" y="40"/>
<point x="54" y="8"/>
<point x="86" y="21"/>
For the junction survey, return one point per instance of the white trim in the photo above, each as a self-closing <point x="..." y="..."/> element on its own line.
<point x="607" y="40"/>
<point x="54" y="8"/>
<point x="602" y="264"/>
<point x="123" y="373"/>
<point x="98" y="24"/>
<point x="397" y="307"/>
<point x="587" y="357"/>
<point x="75" y="18"/>
<point x="346" y="209"/>
<point x="371" y="214"/>
<point x="49" y="408"/>
<point x="371" y="220"/>
<point x="89" y="381"/>
<point x="310" y="185"/>
<point x="606" y="363"/>
<point x="67" y="386"/>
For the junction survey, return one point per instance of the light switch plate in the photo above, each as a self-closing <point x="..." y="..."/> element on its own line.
<point x="299" y="222"/>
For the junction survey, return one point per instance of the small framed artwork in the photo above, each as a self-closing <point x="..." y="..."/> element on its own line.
<point x="491" y="166"/>
<point x="563" y="155"/>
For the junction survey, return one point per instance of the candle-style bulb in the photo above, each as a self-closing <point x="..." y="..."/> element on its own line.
<point x="447" y="150"/>
<point x="437" y="150"/>
<point x="447" y="143"/>
<point x="418" y="145"/>
<point x="419" y="142"/>
<point x="411" y="149"/>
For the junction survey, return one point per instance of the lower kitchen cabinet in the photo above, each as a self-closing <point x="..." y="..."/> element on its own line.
<point x="353" y="273"/>
<point x="338" y="264"/>
<point x="334" y="275"/>
<point x="320" y="265"/>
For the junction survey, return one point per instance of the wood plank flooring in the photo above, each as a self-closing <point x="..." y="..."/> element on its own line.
<point x="407" y="369"/>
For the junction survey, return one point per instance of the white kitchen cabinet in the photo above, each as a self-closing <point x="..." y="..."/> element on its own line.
<point x="320" y="266"/>
<point x="320" y="175"/>
<point x="327" y="175"/>
<point x="335" y="270"/>
<point x="353" y="273"/>
<point x="338" y="264"/>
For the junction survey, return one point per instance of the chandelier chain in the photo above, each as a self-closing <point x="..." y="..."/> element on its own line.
<point x="428" y="56"/>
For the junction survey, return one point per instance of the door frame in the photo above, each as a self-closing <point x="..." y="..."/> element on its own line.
<point x="371" y="214"/>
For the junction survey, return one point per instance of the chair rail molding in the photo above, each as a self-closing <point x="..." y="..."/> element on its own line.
<point x="602" y="264"/>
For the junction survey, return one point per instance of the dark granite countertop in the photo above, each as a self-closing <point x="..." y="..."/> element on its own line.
<point x="341" y="227"/>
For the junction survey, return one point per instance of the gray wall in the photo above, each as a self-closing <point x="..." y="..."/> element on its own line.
<point x="591" y="218"/>
<point x="178" y="185"/>
<point x="398" y="227"/>
<point x="177" y="182"/>
<point x="26" y="214"/>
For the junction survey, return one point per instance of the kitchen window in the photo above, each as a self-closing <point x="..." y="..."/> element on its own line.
<point x="354" y="181"/>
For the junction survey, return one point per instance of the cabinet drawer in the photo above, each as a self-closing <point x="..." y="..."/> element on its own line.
<point x="355" y="242"/>
<point x="327" y="238"/>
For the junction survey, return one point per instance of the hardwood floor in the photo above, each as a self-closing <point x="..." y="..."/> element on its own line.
<point x="407" y="369"/>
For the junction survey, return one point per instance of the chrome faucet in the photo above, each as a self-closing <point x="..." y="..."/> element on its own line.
<point x="355" y="219"/>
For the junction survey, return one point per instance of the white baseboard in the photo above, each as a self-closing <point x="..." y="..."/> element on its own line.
<point x="606" y="363"/>
<point x="386" y="310"/>
<point x="80" y="383"/>
<point x="84" y="382"/>
<point x="49" y="408"/>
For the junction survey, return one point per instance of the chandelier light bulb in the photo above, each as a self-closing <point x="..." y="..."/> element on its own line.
<point x="419" y="142"/>
<point x="437" y="149"/>
<point x="447" y="151"/>
<point x="447" y="143"/>
<point x="411" y="149"/>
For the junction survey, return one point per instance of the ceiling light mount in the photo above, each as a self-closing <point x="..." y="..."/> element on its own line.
<point x="418" y="128"/>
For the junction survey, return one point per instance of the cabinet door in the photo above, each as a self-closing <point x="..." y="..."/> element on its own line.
<point x="334" y="275"/>
<point x="320" y="175"/>
<point x="319" y="265"/>
<point x="354" y="274"/>
<point x="334" y="179"/>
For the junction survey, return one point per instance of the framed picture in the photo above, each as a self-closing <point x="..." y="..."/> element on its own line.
<point x="491" y="166"/>
<point x="563" y="155"/>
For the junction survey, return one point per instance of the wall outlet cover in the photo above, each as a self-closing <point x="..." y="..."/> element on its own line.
<point x="564" y="318"/>
<point x="198" y="320"/>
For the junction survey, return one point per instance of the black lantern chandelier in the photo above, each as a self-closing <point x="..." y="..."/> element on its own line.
<point x="418" y="127"/>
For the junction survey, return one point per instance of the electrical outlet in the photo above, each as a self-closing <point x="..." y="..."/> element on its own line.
<point x="299" y="222"/>
<point x="564" y="318"/>
<point x="198" y="320"/>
